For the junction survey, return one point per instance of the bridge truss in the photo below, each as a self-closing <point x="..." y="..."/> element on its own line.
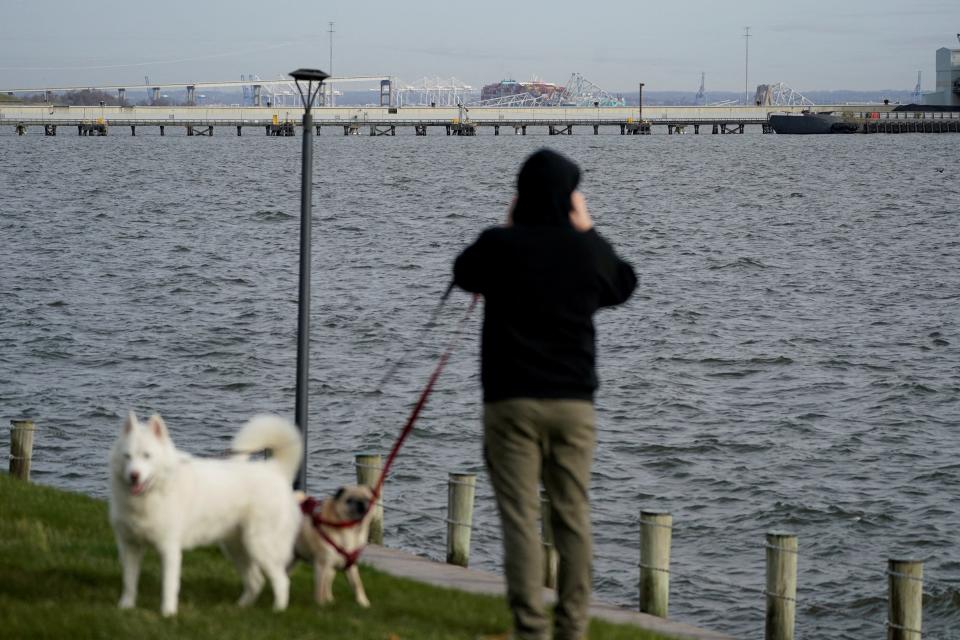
<point x="780" y="95"/>
<point x="578" y="92"/>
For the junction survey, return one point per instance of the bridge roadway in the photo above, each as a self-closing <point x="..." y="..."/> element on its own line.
<point x="354" y="119"/>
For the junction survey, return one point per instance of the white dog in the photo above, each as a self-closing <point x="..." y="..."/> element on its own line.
<point x="173" y="501"/>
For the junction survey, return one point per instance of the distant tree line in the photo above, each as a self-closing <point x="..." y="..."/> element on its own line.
<point x="90" y="97"/>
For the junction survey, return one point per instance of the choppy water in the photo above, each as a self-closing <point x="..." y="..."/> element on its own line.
<point x="791" y="359"/>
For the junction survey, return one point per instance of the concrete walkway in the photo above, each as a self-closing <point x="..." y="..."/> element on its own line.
<point x="407" y="565"/>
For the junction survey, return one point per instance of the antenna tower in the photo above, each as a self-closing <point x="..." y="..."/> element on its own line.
<point x="746" y="65"/>
<point x="330" y="69"/>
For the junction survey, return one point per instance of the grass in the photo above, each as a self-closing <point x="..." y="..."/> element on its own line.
<point x="60" y="578"/>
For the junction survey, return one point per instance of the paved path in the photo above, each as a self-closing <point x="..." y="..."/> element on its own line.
<point x="407" y="565"/>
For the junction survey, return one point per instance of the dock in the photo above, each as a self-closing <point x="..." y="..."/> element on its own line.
<point x="451" y="121"/>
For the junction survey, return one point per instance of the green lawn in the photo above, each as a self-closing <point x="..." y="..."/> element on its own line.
<point x="60" y="578"/>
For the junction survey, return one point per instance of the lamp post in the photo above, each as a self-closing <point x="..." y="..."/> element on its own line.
<point x="308" y="76"/>
<point x="640" y="101"/>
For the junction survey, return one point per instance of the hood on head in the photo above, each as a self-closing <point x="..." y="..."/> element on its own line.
<point x="544" y="185"/>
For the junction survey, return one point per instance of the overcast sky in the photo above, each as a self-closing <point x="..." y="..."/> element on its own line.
<point x="807" y="44"/>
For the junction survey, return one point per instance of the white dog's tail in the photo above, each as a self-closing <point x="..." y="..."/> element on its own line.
<point x="274" y="433"/>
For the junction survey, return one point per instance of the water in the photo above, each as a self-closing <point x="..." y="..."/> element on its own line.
<point x="791" y="359"/>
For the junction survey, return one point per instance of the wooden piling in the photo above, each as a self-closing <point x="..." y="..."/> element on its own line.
<point x="656" y="535"/>
<point x="369" y="466"/>
<point x="550" y="558"/>
<point x="461" y="489"/>
<point x="905" y="607"/>
<point x="781" y="586"/>
<point x="21" y="448"/>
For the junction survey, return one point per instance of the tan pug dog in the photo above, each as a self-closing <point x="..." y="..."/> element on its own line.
<point x="342" y="545"/>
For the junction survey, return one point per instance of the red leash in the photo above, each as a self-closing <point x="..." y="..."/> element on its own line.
<point x="309" y="505"/>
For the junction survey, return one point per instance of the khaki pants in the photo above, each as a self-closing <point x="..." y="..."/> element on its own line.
<point x="525" y="441"/>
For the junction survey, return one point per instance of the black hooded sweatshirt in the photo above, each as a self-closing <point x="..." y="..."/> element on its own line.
<point x="542" y="281"/>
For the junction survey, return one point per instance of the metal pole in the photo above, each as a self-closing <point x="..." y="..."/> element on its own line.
<point x="330" y="102"/>
<point x="303" y="318"/>
<point x="640" y="101"/>
<point x="306" y="224"/>
<point x="746" y="66"/>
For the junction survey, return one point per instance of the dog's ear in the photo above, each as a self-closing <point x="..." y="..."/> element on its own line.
<point x="158" y="426"/>
<point x="339" y="493"/>
<point x="129" y="423"/>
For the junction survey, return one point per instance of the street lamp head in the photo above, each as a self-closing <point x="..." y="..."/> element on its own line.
<point x="309" y="76"/>
<point x="314" y="75"/>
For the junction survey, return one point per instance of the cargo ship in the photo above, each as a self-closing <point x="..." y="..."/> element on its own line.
<point x="809" y="122"/>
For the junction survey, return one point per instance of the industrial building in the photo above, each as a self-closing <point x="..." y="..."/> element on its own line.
<point x="948" y="79"/>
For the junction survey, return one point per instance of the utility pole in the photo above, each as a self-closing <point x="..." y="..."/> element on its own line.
<point x="330" y="68"/>
<point x="746" y="66"/>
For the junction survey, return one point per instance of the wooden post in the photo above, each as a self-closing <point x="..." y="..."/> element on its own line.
<point x="21" y="448"/>
<point x="369" y="466"/>
<point x="905" y="609"/>
<point x="656" y="534"/>
<point x="550" y="558"/>
<point x="781" y="586"/>
<point x="461" y="488"/>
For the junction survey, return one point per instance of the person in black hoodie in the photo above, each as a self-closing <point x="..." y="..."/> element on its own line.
<point x="542" y="276"/>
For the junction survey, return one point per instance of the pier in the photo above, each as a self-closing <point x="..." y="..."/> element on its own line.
<point x="450" y="121"/>
<point x="379" y="121"/>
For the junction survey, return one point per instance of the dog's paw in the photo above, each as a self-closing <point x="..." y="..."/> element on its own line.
<point x="168" y="612"/>
<point x="127" y="602"/>
<point x="363" y="602"/>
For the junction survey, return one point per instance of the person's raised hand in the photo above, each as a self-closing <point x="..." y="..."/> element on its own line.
<point x="579" y="216"/>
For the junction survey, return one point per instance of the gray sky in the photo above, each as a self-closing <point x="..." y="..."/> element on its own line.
<point x="807" y="44"/>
